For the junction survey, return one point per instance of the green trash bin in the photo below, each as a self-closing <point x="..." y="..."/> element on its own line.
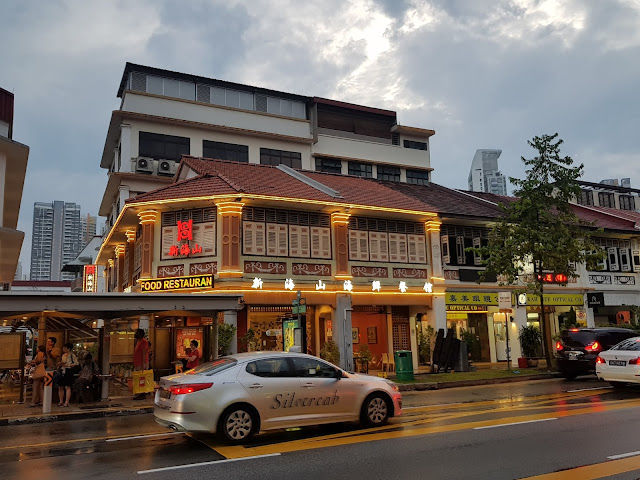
<point x="404" y="365"/>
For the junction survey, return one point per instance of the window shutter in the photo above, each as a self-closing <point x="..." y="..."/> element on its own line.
<point x="635" y="256"/>
<point x="397" y="247"/>
<point x="460" y="254"/>
<point x="379" y="247"/>
<point x="169" y="238"/>
<point x="283" y="241"/>
<point x="299" y="241"/>
<point x="358" y="245"/>
<point x="625" y="260"/>
<point x="603" y="264"/>
<point x="253" y="238"/>
<point x="208" y="238"/>
<point x="320" y="242"/>
<point x="417" y="248"/>
<point x="272" y="239"/>
<point x="612" y="255"/>
<point x="477" y="259"/>
<point x="446" y="252"/>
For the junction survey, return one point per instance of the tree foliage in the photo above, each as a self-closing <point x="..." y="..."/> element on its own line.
<point x="539" y="230"/>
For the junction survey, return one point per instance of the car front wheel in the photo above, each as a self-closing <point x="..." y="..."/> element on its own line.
<point x="375" y="411"/>
<point x="238" y="424"/>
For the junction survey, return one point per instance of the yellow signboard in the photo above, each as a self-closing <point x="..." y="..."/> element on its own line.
<point x="471" y="298"/>
<point x="175" y="283"/>
<point x="456" y="316"/>
<point x="557" y="299"/>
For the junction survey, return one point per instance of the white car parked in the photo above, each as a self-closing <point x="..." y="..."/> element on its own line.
<point x="239" y="395"/>
<point x="621" y="363"/>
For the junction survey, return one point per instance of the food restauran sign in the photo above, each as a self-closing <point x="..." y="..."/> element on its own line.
<point x="176" y="283"/>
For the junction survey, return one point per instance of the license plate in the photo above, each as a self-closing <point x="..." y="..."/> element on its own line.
<point x="617" y="363"/>
<point x="165" y="394"/>
<point x="574" y="356"/>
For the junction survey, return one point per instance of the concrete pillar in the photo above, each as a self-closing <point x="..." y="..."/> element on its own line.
<point x="437" y="316"/>
<point x="340" y="223"/>
<point x="123" y="191"/>
<point x="121" y="269"/>
<point x="231" y="318"/>
<point x="591" y="318"/>
<point x="520" y="318"/>
<point x="342" y="331"/>
<point x="414" y="342"/>
<point x="104" y="328"/>
<point x="125" y="149"/>
<point x="231" y="218"/>
<point x="148" y="221"/>
<point x="131" y="246"/>
<point x="389" y="330"/>
<point x="214" y="340"/>
<point x="42" y="330"/>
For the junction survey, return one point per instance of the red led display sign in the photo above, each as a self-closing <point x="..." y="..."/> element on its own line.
<point x="552" y="278"/>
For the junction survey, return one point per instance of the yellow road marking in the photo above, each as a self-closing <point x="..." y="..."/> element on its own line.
<point x="592" y="472"/>
<point x="361" y="436"/>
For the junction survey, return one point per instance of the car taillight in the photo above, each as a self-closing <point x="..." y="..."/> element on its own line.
<point x="189" y="388"/>
<point x="600" y="359"/>
<point x="559" y="346"/>
<point x="593" y="347"/>
<point x="634" y="361"/>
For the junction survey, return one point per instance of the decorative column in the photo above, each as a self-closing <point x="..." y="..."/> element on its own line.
<point x="120" y="272"/>
<point x="148" y="222"/>
<point x="110" y="274"/>
<point x="437" y="316"/>
<point x="131" y="245"/>
<point x="231" y="218"/>
<point x="340" y="222"/>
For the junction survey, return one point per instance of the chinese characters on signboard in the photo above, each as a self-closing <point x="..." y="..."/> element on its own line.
<point x="90" y="280"/>
<point x="185" y="233"/>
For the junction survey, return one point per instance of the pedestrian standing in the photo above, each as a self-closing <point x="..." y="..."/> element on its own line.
<point x="140" y="356"/>
<point x="193" y="360"/>
<point x="68" y="368"/>
<point x="38" y="376"/>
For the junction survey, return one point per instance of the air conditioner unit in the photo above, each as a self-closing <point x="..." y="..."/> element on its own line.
<point x="145" y="165"/>
<point x="166" y="167"/>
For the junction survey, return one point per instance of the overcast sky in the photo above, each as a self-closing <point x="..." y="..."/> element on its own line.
<point x="481" y="73"/>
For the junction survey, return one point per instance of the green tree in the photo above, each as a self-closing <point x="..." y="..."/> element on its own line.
<point x="539" y="232"/>
<point x="225" y="337"/>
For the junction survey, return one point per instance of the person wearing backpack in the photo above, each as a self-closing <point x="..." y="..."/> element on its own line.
<point x="68" y="368"/>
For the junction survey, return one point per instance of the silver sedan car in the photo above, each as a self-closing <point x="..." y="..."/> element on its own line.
<point x="239" y="395"/>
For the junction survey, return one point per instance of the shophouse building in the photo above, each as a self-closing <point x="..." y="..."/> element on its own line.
<point x="13" y="167"/>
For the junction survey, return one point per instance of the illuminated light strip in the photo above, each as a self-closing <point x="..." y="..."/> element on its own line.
<point x="120" y="248"/>
<point x="343" y="277"/>
<point x="230" y="273"/>
<point x="148" y="216"/>
<point x="340" y="218"/>
<point x="467" y="311"/>
<point x="283" y="199"/>
<point x="110" y="262"/>
<point x="438" y="278"/>
<point x="131" y="235"/>
<point x="321" y="292"/>
<point x="433" y="225"/>
<point x="226" y="208"/>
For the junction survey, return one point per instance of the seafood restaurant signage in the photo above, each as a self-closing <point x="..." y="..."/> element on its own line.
<point x="176" y="283"/>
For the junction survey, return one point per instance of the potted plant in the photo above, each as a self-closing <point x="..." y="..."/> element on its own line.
<point x="425" y="338"/>
<point x="330" y="352"/>
<point x="365" y="357"/>
<point x="530" y="341"/>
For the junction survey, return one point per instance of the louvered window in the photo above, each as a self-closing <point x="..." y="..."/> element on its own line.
<point x="138" y="82"/>
<point x="203" y="232"/>
<point x="388" y="241"/>
<point x="606" y="200"/>
<point x="358" y="245"/>
<point x="627" y="202"/>
<point x="287" y="233"/>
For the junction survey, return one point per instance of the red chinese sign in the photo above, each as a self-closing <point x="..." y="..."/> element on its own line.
<point x="185" y="230"/>
<point x="552" y="278"/>
<point x="184" y="250"/>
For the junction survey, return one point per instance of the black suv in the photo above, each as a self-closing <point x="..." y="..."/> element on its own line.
<point x="578" y="348"/>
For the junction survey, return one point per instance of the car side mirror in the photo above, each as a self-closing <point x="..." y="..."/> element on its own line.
<point x="339" y="374"/>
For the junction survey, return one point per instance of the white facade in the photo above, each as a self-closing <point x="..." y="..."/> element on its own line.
<point x="484" y="175"/>
<point x="196" y="113"/>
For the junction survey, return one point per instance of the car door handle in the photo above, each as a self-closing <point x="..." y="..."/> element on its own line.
<point x="255" y="385"/>
<point x="308" y="385"/>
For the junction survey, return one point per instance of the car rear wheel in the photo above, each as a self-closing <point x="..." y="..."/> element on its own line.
<point x="618" y="384"/>
<point x="375" y="411"/>
<point x="238" y="424"/>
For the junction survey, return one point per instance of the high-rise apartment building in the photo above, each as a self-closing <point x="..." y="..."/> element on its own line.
<point x="484" y="175"/>
<point x="87" y="229"/>
<point x="56" y="239"/>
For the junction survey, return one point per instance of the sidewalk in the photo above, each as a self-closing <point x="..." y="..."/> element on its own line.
<point x="13" y="413"/>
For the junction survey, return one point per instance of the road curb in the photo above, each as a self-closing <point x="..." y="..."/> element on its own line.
<point x="74" y="416"/>
<point x="408" y="387"/>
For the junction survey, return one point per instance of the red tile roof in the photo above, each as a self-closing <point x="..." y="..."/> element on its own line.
<point x="270" y="181"/>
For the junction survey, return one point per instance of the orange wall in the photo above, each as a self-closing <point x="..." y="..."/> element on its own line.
<point x="363" y="320"/>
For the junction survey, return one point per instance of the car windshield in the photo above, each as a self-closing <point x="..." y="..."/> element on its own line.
<point x="631" y="344"/>
<point x="210" y="368"/>
<point x="578" y="339"/>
